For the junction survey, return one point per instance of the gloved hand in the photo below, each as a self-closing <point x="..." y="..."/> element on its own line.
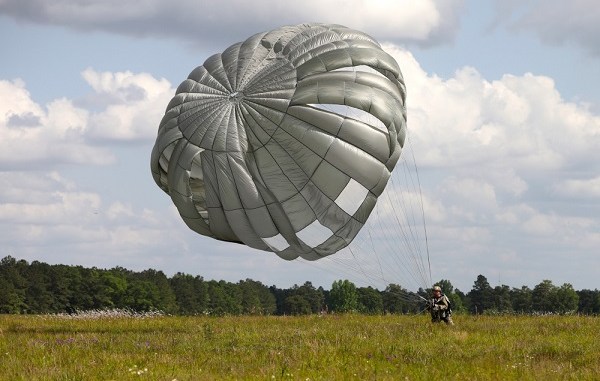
<point x="436" y="307"/>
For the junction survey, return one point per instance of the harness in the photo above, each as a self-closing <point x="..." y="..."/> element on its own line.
<point x="448" y="311"/>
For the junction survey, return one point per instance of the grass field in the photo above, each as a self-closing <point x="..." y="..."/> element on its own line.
<point x="332" y="347"/>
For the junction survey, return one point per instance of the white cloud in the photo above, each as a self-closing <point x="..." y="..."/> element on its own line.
<point x="118" y="209"/>
<point x="555" y="21"/>
<point x="35" y="136"/>
<point x="44" y="215"/>
<point x="507" y="181"/>
<point x="134" y="105"/>
<point x="58" y="206"/>
<point x="541" y="224"/>
<point x="425" y="21"/>
<point x="575" y="188"/>
<point x="511" y="126"/>
<point x="53" y="133"/>
<point x="44" y="199"/>
<point x="572" y="232"/>
<point x="480" y="196"/>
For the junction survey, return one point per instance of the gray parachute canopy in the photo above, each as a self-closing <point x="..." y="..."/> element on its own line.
<point x="251" y="149"/>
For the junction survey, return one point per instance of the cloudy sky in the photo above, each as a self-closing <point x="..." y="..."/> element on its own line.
<point x="504" y="124"/>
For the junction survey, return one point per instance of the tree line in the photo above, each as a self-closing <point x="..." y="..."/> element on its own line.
<point x="39" y="288"/>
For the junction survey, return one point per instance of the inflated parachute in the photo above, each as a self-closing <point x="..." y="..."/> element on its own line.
<point x="252" y="150"/>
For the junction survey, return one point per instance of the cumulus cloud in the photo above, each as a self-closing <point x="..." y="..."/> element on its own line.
<point x="123" y="106"/>
<point x="567" y="231"/>
<point x="576" y="188"/>
<point x="503" y="158"/>
<point x="479" y="195"/>
<point x="41" y="211"/>
<point x="134" y="104"/>
<point x="44" y="214"/>
<point x="426" y="22"/>
<point x="554" y="21"/>
<point x="33" y="135"/>
<point x="508" y="127"/>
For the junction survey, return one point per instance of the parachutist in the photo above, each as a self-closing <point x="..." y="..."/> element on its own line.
<point x="440" y="308"/>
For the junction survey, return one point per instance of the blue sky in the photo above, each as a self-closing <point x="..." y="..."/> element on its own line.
<point x="504" y="122"/>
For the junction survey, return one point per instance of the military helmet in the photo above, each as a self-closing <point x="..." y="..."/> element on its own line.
<point x="437" y="288"/>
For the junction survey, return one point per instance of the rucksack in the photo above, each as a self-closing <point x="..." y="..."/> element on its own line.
<point x="449" y="304"/>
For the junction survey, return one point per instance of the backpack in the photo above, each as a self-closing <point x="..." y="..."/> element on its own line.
<point x="449" y="304"/>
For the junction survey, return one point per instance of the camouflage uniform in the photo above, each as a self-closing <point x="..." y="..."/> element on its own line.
<point x="439" y="310"/>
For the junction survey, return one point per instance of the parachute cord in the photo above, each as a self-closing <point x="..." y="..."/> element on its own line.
<point x="376" y="255"/>
<point x="414" y="274"/>
<point x="358" y="263"/>
<point x="422" y="210"/>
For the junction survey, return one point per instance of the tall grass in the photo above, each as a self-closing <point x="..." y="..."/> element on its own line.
<point x="331" y="347"/>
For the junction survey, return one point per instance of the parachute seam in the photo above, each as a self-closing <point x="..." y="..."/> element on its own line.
<point x="211" y="75"/>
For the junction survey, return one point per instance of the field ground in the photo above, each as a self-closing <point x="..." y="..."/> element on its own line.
<point x="332" y="347"/>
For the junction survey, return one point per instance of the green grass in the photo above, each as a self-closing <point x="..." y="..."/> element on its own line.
<point x="342" y="347"/>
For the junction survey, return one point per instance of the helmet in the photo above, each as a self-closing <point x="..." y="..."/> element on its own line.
<point x="437" y="288"/>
